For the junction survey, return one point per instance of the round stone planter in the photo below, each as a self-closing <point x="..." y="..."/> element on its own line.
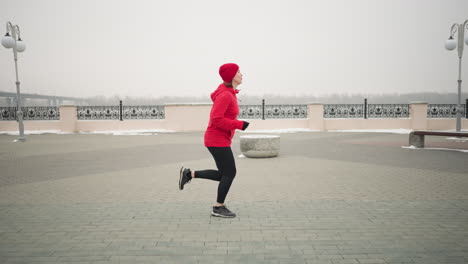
<point x="260" y="146"/>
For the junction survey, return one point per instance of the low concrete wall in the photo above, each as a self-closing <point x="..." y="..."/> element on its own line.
<point x="194" y="117"/>
<point x="377" y="123"/>
<point x="418" y="115"/>
<point x="187" y="117"/>
<point x="315" y="114"/>
<point x="68" y="118"/>
<point x="445" y="123"/>
<point x="116" y="125"/>
<point x="256" y="124"/>
<point x="31" y="125"/>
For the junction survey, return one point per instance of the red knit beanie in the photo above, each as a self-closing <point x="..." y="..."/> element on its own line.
<point x="228" y="71"/>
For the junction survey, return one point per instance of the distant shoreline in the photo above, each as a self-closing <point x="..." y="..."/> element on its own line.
<point x="391" y="98"/>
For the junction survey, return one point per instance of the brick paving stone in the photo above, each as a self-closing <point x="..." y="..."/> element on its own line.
<point x="328" y="198"/>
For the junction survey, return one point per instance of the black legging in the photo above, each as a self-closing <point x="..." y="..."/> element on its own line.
<point x="226" y="171"/>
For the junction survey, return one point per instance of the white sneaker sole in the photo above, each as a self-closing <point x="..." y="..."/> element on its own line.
<point x="180" y="178"/>
<point x="220" y="215"/>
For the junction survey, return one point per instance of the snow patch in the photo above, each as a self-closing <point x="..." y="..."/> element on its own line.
<point x="34" y="132"/>
<point x="280" y="131"/>
<point x="413" y="147"/>
<point x="260" y="136"/>
<point x="144" y="132"/>
<point x="456" y="139"/>
<point x="409" y="147"/>
<point x="395" y="131"/>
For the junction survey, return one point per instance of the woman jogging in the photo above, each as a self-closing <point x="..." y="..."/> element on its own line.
<point x="218" y="137"/>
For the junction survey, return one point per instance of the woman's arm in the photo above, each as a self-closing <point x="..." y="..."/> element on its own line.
<point x="220" y="106"/>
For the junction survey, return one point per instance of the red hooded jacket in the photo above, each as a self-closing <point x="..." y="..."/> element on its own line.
<point x="223" y="117"/>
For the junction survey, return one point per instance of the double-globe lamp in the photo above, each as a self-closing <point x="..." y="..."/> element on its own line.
<point x="451" y="44"/>
<point x="14" y="42"/>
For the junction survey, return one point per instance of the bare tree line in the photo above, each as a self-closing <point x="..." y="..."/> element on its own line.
<point x="432" y="98"/>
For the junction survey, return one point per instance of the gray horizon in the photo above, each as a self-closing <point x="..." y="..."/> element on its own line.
<point x="174" y="48"/>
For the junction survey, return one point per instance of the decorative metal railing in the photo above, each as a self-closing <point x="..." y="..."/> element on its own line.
<point x="251" y="111"/>
<point x="31" y="113"/>
<point x="272" y="111"/>
<point x="388" y="110"/>
<point x="120" y="112"/>
<point x="143" y="112"/>
<point x="7" y="113"/>
<point x="246" y="112"/>
<point x="366" y="110"/>
<point x="445" y="111"/>
<point x="286" y="111"/>
<point x="98" y="112"/>
<point x="343" y="111"/>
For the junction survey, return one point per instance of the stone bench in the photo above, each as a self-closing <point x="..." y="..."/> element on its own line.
<point x="416" y="138"/>
<point x="260" y="146"/>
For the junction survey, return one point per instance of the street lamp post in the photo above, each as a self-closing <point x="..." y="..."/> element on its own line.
<point x="451" y="44"/>
<point x="14" y="41"/>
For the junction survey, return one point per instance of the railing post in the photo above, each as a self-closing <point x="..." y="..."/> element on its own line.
<point x="263" y="109"/>
<point x="466" y="108"/>
<point x="120" y="112"/>
<point x="365" y="108"/>
<point x="68" y="118"/>
<point x="418" y="115"/>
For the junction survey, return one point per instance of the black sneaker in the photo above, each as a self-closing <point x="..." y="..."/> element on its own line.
<point x="185" y="177"/>
<point x="222" y="211"/>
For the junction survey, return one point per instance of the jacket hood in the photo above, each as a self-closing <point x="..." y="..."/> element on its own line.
<point x="221" y="89"/>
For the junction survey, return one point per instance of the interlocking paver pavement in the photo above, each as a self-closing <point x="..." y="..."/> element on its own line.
<point x="328" y="198"/>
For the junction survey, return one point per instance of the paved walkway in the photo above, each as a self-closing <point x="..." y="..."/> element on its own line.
<point x="328" y="198"/>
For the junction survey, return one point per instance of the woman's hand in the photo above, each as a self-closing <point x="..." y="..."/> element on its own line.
<point x="245" y="125"/>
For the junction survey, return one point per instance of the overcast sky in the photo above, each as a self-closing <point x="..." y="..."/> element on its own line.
<point x="175" y="47"/>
